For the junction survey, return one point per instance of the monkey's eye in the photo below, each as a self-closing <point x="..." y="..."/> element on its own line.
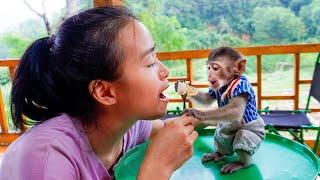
<point x="215" y="68"/>
<point x="208" y="68"/>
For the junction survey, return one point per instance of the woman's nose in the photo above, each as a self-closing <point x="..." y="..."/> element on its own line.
<point x="164" y="71"/>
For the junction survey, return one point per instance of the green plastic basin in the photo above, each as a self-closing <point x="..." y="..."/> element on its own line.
<point x="277" y="158"/>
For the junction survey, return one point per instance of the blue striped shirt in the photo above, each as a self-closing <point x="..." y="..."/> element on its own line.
<point x="235" y="88"/>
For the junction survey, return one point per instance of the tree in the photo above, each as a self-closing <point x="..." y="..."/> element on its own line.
<point x="42" y="15"/>
<point x="14" y="44"/>
<point x="277" y="25"/>
<point x="166" y="30"/>
<point x="71" y="7"/>
<point x="295" y="5"/>
<point x="311" y="17"/>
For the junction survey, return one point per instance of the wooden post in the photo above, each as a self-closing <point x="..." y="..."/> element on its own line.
<point x="101" y="3"/>
<point x="11" y="71"/>
<point x="296" y="80"/>
<point x="3" y="119"/>
<point x="189" y="75"/>
<point x="259" y="81"/>
<point x="189" y="71"/>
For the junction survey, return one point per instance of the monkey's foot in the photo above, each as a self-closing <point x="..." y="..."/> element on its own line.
<point x="232" y="167"/>
<point x="215" y="157"/>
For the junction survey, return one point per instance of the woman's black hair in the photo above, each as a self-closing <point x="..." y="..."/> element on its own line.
<point x="54" y="73"/>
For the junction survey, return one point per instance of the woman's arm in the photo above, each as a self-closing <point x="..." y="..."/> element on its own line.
<point x="156" y="126"/>
<point x="169" y="148"/>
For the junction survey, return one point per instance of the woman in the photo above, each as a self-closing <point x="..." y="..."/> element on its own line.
<point x="85" y="91"/>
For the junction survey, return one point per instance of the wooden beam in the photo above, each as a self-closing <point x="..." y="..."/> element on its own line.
<point x="305" y="81"/>
<point x="280" y="49"/>
<point x="277" y="98"/>
<point x="172" y="79"/>
<point x="9" y="62"/>
<point x="247" y="51"/>
<point x="182" y="55"/>
<point x="102" y="3"/>
<point x="6" y="139"/>
<point x="296" y="80"/>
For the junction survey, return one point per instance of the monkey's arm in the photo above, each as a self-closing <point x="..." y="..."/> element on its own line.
<point x="232" y="112"/>
<point x="194" y="94"/>
<point x="202" y="98"/>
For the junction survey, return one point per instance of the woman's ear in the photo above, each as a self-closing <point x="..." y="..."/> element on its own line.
<point x="240" y="67"/>
<point x="103" y="92"/>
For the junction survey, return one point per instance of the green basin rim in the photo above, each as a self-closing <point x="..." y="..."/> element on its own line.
<point x="209" y="132"/>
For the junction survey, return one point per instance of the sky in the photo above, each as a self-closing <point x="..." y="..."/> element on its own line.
<point x="13" y="12"/>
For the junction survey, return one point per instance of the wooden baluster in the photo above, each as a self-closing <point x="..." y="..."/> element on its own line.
<point x="3" y="119"/>
<point x="189" y="75"/>
<point x="11" y="72"/>
<point x="296" y="80"/>
<point x="259" y="81"/>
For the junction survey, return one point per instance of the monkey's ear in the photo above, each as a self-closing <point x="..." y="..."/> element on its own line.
<point x="241" y="65"/>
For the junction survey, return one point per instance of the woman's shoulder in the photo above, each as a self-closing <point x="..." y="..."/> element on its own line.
<point x="58" y="132"/>
<point x="61" y="127"/>
<point x="55" y="140"/>
<point x="137" y="134"/>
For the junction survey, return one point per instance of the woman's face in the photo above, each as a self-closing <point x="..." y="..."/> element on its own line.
<point x="144" y="77"/>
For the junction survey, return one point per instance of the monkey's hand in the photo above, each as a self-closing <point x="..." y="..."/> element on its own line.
<point x="183" y="88"/>
<point x="200" y="115"/>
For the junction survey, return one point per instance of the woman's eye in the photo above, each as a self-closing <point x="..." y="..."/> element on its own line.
<point x="152" y="64"/>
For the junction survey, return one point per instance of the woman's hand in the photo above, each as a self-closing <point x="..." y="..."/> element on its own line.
<point x="169" y="148"/>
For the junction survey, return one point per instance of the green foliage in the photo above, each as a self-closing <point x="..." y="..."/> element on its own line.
<point x="201" y="24"/>
<point x="31" y="29"/>
<point x="277" y="25"/>
<point x="15" y="44"/>
<point x="295" y="5"/>
<point x="167" y="31"/>
<point x="311" y="17"/>
<point x="207" y="24"/>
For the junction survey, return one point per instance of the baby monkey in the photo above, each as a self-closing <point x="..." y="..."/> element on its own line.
<point x="240" y="129"/>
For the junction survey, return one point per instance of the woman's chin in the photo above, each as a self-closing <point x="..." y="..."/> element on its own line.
<point x="155" y="115"/>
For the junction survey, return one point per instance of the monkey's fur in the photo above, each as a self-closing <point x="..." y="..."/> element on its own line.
<point x="233" y="134"/>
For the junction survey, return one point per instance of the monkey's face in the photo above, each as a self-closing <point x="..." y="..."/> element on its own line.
<point x="220" y="72"/>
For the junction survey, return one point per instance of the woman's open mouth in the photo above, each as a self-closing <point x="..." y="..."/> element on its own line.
<point x="162" y="96"/>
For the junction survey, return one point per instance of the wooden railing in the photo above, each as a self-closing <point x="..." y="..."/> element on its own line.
<point x="257" y="51"/>
<point x="187" y="56"/>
